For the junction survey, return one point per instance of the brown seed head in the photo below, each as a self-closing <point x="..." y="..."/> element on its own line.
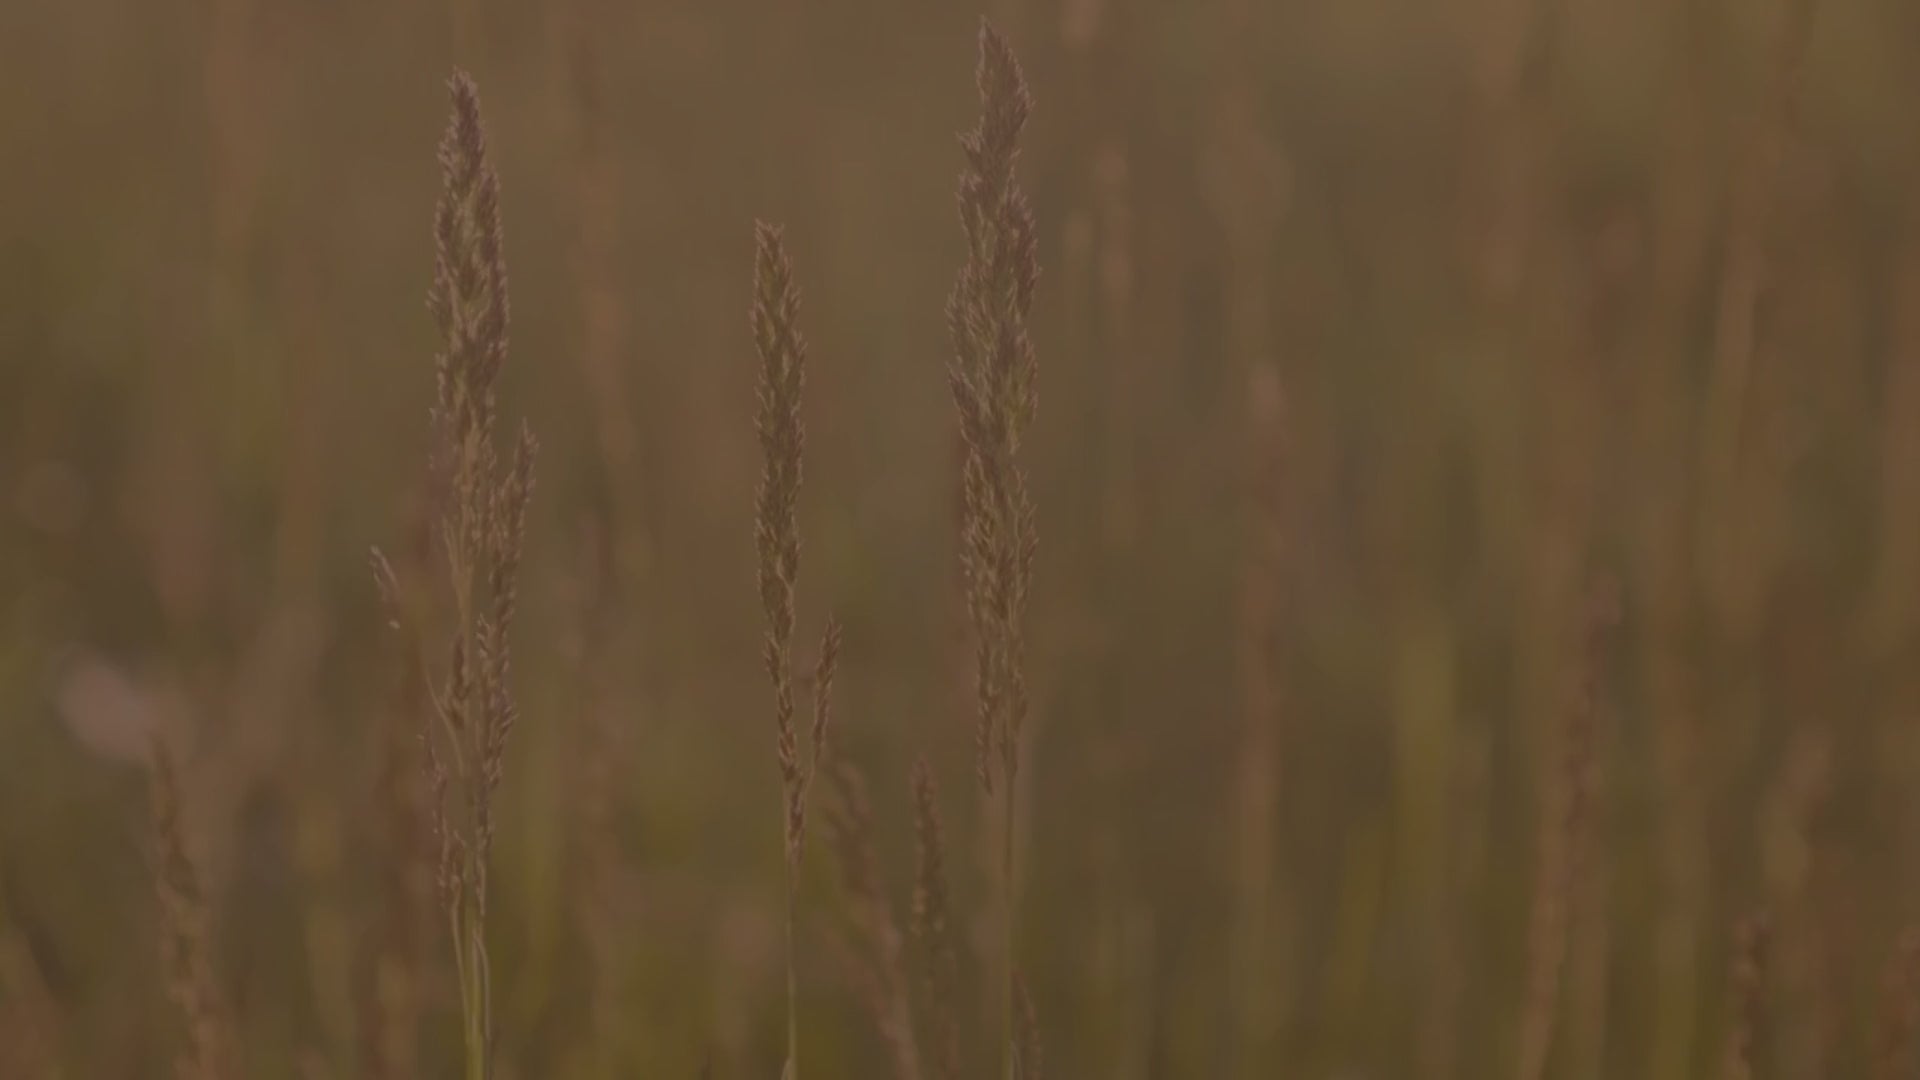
<point x="993" y="379"/>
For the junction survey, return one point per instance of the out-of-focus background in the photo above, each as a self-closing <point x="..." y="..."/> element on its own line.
<point x="1381" y="343"/>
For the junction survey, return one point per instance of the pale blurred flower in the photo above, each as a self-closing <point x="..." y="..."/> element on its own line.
<point x="107" y="709"/>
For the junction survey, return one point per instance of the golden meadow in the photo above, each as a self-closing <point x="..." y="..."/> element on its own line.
<point x="1355" y="540"/>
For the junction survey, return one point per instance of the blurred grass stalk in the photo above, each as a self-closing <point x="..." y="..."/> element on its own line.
<point x="1250" y="207"/>
<point x="993" y="379"/>
<point x="782" y="430"/>
<point x="481" y="502"/>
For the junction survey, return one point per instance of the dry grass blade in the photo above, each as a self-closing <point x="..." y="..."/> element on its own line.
<point x="186" y="942"/>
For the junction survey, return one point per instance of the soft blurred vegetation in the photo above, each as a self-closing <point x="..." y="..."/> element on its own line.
<point x="1373" y="334"/>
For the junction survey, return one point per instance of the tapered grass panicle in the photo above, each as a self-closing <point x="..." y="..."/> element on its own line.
<point x="481" y="504"/>
<point x="775" y="319"/>
<point x="993" y="380"/>
<point x="993" y="377"/>
<point x="783" y="438"/>
<point x="186" y="934"/>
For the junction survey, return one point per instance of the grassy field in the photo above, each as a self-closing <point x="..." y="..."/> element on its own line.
<point x="1347" y="541"/>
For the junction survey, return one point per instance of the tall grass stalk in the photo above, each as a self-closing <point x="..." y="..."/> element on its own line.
<point x="993" y="382"/>
<point x="481" y="502"/>
<point x="783" y="376"/>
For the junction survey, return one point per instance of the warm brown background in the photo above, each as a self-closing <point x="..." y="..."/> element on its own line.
<point x="1372" y="334"/>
